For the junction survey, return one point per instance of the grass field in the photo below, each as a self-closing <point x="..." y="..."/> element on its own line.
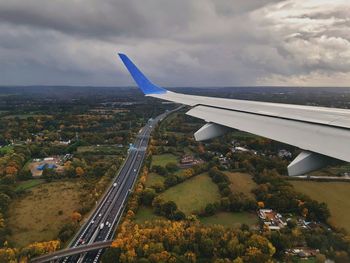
<point x="193" y="194"/>
<point x="163" y="159"/>
<point x="35" y="217"/>
<point x="145" y="214"/>
<point x="335" y="194"/>
<point x="230" y="219"/>
<point x="25" y="185"/>
<point x="332" y="170"/>
<point x="153" y="179"/>
<point x="241" y="182"/>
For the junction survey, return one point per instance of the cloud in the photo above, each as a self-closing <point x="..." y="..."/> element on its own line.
<point x="177" y="43"/>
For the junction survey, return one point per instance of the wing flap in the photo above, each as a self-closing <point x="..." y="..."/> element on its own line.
<point x="313" y="137"/>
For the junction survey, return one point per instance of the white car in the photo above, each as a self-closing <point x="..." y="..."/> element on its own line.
<point x="115" y="184"/>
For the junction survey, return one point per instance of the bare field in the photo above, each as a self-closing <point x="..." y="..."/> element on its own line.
<point x="35" y="216"/>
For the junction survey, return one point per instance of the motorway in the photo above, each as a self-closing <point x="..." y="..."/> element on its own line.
<point x="102" y="223"/>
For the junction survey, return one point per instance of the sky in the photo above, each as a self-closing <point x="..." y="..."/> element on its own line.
<point x="176" y="43"/>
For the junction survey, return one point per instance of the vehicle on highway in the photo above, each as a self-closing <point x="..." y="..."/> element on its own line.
<point x="115" y="184"/>
<point x="102" y="225"/>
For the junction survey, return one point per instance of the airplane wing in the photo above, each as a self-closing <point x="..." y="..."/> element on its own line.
<point x="322" y="133"/>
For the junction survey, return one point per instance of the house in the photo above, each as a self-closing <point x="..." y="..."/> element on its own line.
<point x="189" y="161"/>
<point x="284" y="154"/>
<point x="302" y="252"/>
<point x="271" y="219"/>
<point x="41" y="167"/>
<point x="242" y="149"/>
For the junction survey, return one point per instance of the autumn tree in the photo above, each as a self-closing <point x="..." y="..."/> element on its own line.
<point x="76" y="216"/>
<point x="79" y="171"/>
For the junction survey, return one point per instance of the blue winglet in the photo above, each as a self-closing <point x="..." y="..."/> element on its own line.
<point x="142" y="82"/>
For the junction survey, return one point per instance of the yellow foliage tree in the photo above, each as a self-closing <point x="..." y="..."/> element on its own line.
<point x="8" y="255"/>
<point x="76" y="216"/>
<point x="79" y="171"/>
<point x="40" y="248"/>
<point x="11" y="170"/>
<point x="261" y="204"/>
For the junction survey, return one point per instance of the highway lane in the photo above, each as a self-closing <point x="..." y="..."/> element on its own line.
<point x="110" y="209"/>
<point x="107" y="209"/>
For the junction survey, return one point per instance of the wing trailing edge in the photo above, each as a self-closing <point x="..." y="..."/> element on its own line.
<point x="323" y="133"/>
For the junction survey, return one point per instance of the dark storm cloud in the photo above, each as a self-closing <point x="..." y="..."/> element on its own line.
<point x="201" y="43"/>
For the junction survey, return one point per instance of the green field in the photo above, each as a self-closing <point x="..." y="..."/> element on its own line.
<point x="241" y="182"/>
<point x="231" y="219"/>
<point x="145" y="214"/>
<point x="153" y="178"/>
<point x="25" y="185"/>
<point x="163" y="159"/>
<point x="35" y="217"/>
<point x="193" y="194"/>
<point x="335" y="194"/>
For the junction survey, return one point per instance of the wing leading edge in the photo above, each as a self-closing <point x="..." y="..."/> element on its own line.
<point x="323" y="133"/>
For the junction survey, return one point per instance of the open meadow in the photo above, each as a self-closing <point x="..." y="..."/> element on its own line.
<point x="153" y="179"/>
<point x="228" y="219"/>
<point x="145" y="214"/>
<point x="241" y="182"/>
<point x="41" y="212"/>
<point x="193" y="194"/>
<point x="164" y="159"/>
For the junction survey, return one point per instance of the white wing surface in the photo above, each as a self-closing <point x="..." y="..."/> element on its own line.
<point x="322" y="133"/>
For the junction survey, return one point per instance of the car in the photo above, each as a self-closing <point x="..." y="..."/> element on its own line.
<point x="134" y="170"/>
<point x="102" y="225"/>
<point x="92" y="221"/>
<point x="99" y="214"/>
<point x="115" y="184"/>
